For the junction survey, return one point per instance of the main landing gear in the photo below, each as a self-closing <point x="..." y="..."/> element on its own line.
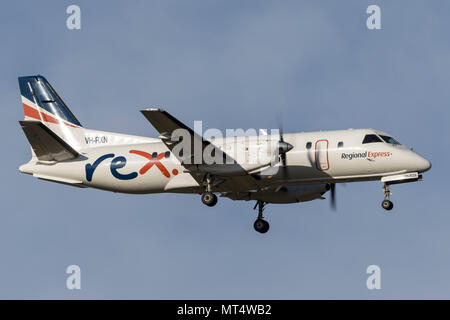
<point x="208" y="198"/>
<point x="260" y="225"/>
<point x="386" y="203"/>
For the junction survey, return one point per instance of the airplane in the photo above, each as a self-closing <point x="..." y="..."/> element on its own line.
<point x="295" y="167"/>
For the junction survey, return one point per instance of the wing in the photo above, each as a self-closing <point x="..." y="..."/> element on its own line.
<point x="229" y="176"/>
<point x="167" y="126"/>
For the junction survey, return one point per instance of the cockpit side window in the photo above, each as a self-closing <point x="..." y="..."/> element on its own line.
<point x="371" y="138"/>
<point x="390" y="140"/>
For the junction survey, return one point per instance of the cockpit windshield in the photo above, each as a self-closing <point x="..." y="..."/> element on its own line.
<point x="390" y="140"/>
<point x="371" y="138"/>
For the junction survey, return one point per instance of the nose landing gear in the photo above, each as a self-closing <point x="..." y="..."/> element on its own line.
<point x="260" y="225"/>
<point x="386" y="203"/>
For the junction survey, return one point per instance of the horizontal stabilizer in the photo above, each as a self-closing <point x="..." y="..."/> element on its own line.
<point x="69" y="182"/>
<point x="45" y="143"/>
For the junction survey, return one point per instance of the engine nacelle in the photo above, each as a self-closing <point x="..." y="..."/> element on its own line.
<point x="291" y="194"/>
<point x="288" y="194"/>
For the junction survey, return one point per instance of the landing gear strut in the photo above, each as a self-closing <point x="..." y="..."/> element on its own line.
<point x="260" y="225"/>
<point x="386" y="203"/>
<point x="208" y="198"/>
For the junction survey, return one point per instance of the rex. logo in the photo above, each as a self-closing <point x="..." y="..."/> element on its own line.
<point x="120" y="162"/>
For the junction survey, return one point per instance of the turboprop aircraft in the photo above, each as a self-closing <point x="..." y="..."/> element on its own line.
<point x="266" y="168"/>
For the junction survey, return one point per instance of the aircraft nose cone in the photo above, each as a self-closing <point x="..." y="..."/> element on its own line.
<point x="423" y="164"/>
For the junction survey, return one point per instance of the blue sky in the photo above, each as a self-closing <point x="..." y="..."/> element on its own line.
<point x="232" y="64"/>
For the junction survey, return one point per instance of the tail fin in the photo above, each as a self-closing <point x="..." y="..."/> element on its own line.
<point x="41" y="102"/>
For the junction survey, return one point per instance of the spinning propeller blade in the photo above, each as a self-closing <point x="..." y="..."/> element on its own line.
<point x="283" y="147"/>
<point x="333" y="196"/>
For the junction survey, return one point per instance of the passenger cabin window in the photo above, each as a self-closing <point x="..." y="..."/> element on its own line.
<point x="340" y="144"/>
<point x="390" y="140"/>
<point x="308" y="145"/>
<point x="371" y="138"/>
<point x="166" y="154"/>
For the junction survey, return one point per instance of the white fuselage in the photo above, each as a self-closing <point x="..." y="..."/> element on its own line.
<point x="116" y="162"/>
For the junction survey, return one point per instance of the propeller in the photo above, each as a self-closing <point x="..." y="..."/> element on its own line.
<point x="333" y="196"/>
<point x="283" y="147"/>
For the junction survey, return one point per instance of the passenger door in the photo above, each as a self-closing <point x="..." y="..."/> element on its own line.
<point x="321" y="155"/>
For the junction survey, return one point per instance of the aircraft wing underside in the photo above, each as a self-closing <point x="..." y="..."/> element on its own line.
<point x="166" y="124"/>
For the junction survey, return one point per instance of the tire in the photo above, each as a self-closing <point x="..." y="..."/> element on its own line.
<point x="209" y="198"/>
<point x="387" y="205"/>
<point x="261" y="226"/>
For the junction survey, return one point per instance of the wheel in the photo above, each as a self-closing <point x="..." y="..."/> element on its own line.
<point x="260" y="225"/>
<point x="209" y="198"/>
<point x="387" y="205"/>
